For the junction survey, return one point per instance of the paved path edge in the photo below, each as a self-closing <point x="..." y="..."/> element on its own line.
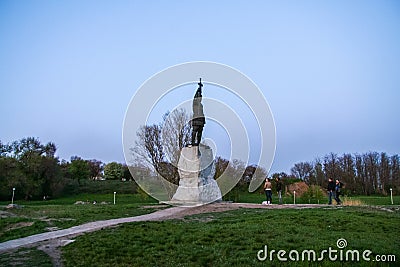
<point x="87" y="227"/>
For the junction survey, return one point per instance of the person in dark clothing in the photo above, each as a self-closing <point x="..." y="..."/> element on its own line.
<point x="331" y="190"/>
<point x="338" y="187"/>
<point x="279" y="186"/>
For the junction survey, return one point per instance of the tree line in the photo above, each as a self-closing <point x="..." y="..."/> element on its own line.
<point x="158" y="148"/>
<point x="35" y="172"/>
<point x="33" y="169"/>
<point x="362" y="174"/>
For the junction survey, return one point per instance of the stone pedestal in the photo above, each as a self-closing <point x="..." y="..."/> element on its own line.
<point x="196" y="169"/>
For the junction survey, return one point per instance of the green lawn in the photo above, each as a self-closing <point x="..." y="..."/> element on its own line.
<point x="378" y="200"/>
<point x="225" y="239"/>
<point x="37" y="216"/>
<point x="26" y="257"/>
<point x="257" y="197"/>
<point x="41" y="216"/>
<point x="234" y="238"/>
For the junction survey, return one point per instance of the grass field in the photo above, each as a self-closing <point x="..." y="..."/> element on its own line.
<point x="26" y="257"/>
<point x="41" y="216"/>
<point x="234" y="238"/>
<point x="229" y="238"/>
<point x="258" y="197"/>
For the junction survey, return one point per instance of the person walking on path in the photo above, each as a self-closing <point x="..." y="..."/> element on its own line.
<point x="338" y="187"/>
<point x="268" y="191"/>
<point x="331" y="190"/>
<point x="279" y="188"/>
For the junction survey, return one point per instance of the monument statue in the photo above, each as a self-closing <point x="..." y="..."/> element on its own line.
<point x="198" y="119"/>
<point x="196" y="164"/>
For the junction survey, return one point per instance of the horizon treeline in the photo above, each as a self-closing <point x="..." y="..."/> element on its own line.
<point x="362" y="174"/>
<point x="33" y="169"/>
<point x="36" y="173"/>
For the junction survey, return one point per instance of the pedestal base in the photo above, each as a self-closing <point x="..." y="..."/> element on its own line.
<point x="196" y="169"/>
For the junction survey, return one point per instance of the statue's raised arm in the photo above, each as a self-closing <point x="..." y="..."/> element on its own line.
<point x="198" y="92"/>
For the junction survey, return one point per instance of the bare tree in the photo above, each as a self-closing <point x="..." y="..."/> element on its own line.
<point x="384" y="172"/>
<point x="361" y="178"/>
<point x="259" y="172"/>
<point x="231" y="176"/>
<point x="348" y="175"/>
<point x="175" y="134"/>
<point x="159" y="146"/>
<point x="148" y="148"/>
<point x="371" y="160"/>
<point x="302" y="170"/>
<point x="319" y="175"/>
<point x="96" y="168"/>
<point x="220" y="166"/>
<point x="395" y="172"/>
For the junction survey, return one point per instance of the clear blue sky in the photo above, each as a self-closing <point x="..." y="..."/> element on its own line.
<point x="330" y="70"/>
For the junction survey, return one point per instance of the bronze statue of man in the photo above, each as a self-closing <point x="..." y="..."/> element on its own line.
<point x="198" y="119"/>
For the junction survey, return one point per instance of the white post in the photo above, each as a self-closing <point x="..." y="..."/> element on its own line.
<point x="294" y="197"/>
<point x="391" y="195"/>
<point x="12" y="199"/>
<point x="114" y="197"/>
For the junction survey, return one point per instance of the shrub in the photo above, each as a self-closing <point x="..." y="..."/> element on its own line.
<point x="314" y="194"/>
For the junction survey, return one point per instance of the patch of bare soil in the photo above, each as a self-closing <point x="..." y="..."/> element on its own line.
<point x="6" y="214"/>
<point x="51" y="220"/>
<point x="52" y="248"/>
<point x="18" y="225"/>
<point x="299" y="187"/>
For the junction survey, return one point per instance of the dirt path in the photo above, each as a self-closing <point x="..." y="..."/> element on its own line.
<point x="50" y="242"/>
